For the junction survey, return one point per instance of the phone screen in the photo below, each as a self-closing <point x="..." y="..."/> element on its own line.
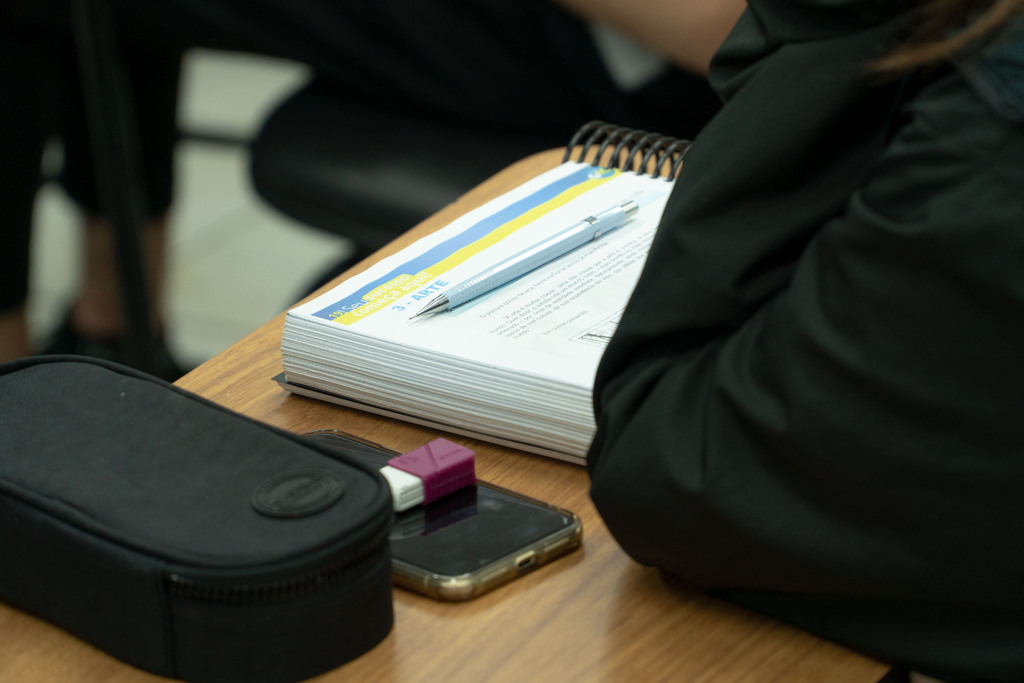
<point x="470" y="529"/>
<point x="472" y="540"/>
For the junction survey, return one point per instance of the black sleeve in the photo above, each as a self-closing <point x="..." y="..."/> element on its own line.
<point x="826" y="423"/>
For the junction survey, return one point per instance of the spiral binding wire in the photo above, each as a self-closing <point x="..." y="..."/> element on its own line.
<point x="631" y="149"/>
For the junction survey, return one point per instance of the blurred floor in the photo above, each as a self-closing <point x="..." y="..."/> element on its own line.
<point x="234" y="262"/>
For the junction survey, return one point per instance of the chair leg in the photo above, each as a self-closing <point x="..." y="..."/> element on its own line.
<point x="114" y="135"/>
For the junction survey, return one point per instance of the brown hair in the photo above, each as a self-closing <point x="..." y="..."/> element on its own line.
<point x="946" y="26"/>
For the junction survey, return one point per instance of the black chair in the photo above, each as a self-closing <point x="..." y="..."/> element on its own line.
<point x="370" y="173"/>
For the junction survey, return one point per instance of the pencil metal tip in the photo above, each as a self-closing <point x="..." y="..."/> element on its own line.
<point x="437" y="305"/>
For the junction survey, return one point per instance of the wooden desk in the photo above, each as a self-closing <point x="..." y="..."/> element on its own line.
<point x="592" y="616"/>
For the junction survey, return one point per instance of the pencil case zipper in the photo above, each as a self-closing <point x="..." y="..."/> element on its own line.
<point x="332" y="573"/>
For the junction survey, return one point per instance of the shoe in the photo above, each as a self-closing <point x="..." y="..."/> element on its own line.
<point x="66" y="340"/>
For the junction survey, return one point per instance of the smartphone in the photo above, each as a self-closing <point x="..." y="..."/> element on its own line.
<point x="471" y="541"/>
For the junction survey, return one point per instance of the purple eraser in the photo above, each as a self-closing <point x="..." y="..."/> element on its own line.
<point x="444" y="467"/>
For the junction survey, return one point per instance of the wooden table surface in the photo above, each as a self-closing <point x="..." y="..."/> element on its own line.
<point x="594" y="615"/>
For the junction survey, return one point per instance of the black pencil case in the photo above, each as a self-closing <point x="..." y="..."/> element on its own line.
<point x="183" y="538"/>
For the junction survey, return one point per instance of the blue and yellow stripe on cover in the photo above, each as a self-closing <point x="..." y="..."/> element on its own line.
<point x="408" y="278"/>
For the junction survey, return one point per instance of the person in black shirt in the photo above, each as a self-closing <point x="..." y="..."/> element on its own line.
<point x="812" y="404"/>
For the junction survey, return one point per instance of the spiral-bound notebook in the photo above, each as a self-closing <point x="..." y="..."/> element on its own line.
<point x="516" y="365"/>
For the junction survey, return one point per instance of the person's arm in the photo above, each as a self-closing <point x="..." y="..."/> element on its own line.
<point x="685" y="32"/>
